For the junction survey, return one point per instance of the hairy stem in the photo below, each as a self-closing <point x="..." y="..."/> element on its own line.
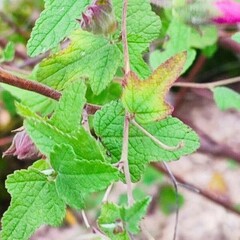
<point x="124" y="159"/>
<point x="124" y="156"/>
<point x="157" y="141"/>
<point x="124" y="38"/>
<point x="207" y="85"/>
<point x="10" y="79"/>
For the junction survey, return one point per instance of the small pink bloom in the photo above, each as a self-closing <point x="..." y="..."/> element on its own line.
<point x="23" y="148"/>
<point x="229" y="12"/>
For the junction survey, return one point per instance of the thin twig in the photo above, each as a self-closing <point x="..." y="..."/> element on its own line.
<point x="124" y="38"/>
<point x="201" y="192"/>
<point x="157" y="141"/>
<point x="124" y="159"/>
<point x="106" y="195"/>
<point x="85" y="219"/>
<point x="207" y="85"/>
<point x="175" y="184"/>
<point x="124" y="156"/>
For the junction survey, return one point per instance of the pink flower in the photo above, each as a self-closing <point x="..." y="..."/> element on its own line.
<point x="229" y="12"/>
<point x="23" y="147"/>
<point x="99" y="18"/>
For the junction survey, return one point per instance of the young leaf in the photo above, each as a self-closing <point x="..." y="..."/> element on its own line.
<point x="108" y="124"/>
<point x="116" y="220"/>
<point x="45" y="136"/>
<point x="56" y="22"/>
<point x="226" y="98"/>
<point x="133" y="215"/>
<point x="146" y="99"/>
<point x="89" y="56"/>
<point x="8" y="52"/>
<point x="34" y="202"/>
<point x="143" y="26"/>
<point x="110" y="222"/>
<point x="72" y="101"/>
<point x="76" y="178"/>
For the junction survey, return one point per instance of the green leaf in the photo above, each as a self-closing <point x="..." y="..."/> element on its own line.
<point x="9" y="52"/>
<point x="112" y="92"/>
<point x="226" y="98"/>
<point x="143" y="26"/>
<point x="146" y="99"/>
<point x="46" y="135"/>
<point x="203" y="37"/>
<point x="178" y="41"/>
<point x="36" y="102"/>
<point x="108" y="124"/>
<point x="236" y="37"/>
<point x="34" y="202"/>
<point x="133" y="215"/>
<point x="56" y="22"/>
<point x="89" y="56"/>
<point x="76" y="178"/>
<point x="116" y="218"/>
<point x="67" y="115"/>
<point x="109" y="222"/>
<point x="167" y="200"/>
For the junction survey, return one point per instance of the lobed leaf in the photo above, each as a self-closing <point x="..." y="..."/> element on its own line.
<point x="130" y="217"/>
<point x="34" y="202"/>
<point x="76" y="178"/>
<point x="88" y="56"/>
<point x="108" y="125"/>
<point x="143" y="26"/>
<point x="146" y="99"/>
<point x="55" y="23"/>
<point x="67" y="116"/>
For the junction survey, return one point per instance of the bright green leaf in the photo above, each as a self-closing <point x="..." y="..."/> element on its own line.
<point x="89" y="56"/>
<point x="203" y="37"/>
<point x="67" y="115"/>
<point x="178" y="41"/>
<point x="76" y="178"/>
<point x="35" y="202"/>
<point x="146" y="99"/>
<point x="143" y="26"/>
<point x="46" y="135"/>
<point x="108" y="124"/>
<point x="236" y="37"/>
<point x="226" y="98"/>
<point x="36" y="102"/>
<point x="8" y="52"/>
<point x="133" y="215"/>
<point x="56" y="22"/>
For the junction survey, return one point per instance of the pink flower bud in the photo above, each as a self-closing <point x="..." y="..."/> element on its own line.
<point x="23" y="148"/>
<point x="229" y="11"/>
<point x="99" y="18"/>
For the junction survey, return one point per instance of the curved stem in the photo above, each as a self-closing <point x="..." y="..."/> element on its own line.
<point x="207" y="85"/>
<point x="157" y="141"/>
<point x="175" y="184"/>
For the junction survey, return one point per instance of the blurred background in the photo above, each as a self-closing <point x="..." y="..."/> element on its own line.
<point x="214" y="168"/>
